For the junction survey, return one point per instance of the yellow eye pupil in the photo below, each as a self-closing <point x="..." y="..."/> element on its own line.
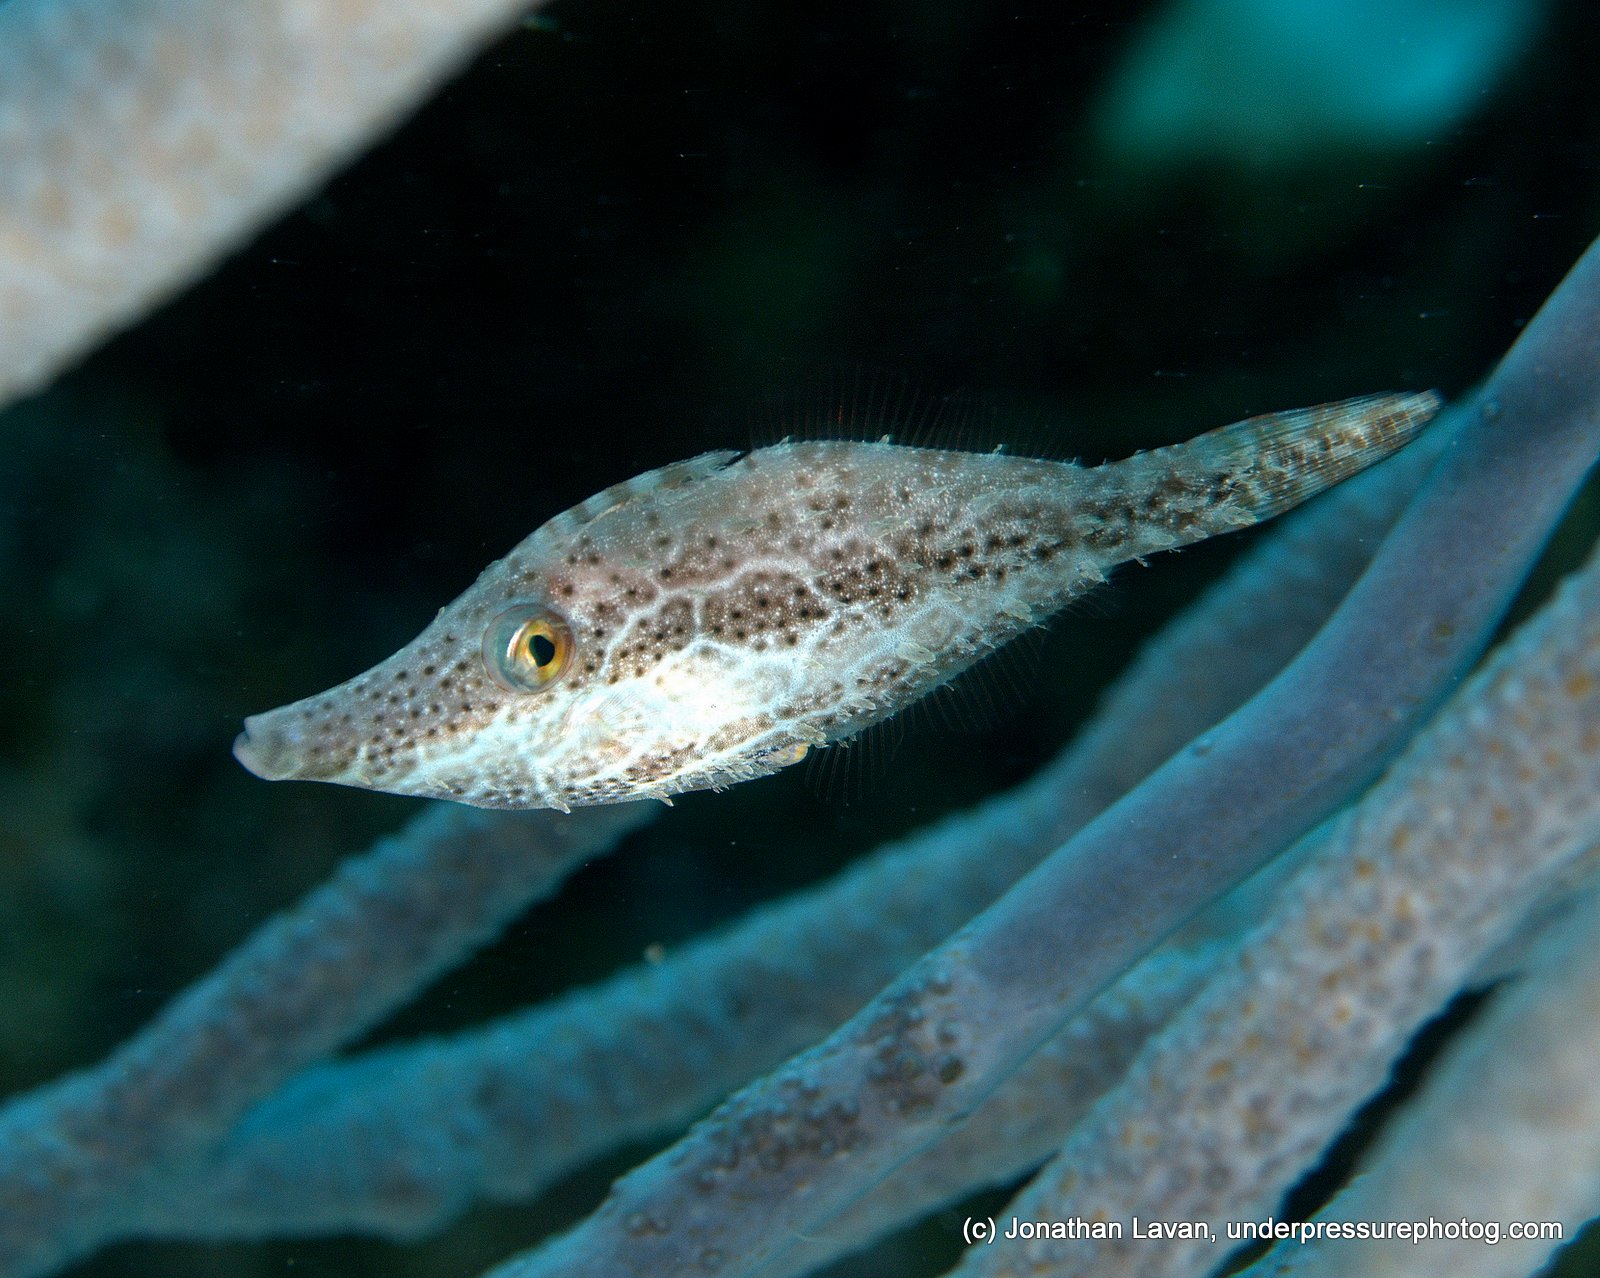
<point x="527" y="647"/>
<point x="541" y="648"/>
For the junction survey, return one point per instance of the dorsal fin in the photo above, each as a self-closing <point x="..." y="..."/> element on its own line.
<point x="678" y="474"/>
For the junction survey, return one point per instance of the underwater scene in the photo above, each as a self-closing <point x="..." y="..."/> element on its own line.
<point x="1238" y="913"/>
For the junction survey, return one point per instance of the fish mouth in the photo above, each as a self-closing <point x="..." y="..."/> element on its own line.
<point x="289" y="744"/>
<point x="267" y="750"/>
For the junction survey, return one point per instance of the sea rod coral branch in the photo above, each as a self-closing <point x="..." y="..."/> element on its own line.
<point x="1435" y="867"/>
<point x="816" y="1134"/>
<point x="1507" y="1128"/>
<point x="394" y="1141"/>
<point x="1024" y="1120"/>
<point x="306" y="983"/>
<point x="144" y="138"/>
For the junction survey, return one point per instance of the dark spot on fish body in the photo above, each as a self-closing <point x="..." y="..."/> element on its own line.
<point x="1105" y="537"/>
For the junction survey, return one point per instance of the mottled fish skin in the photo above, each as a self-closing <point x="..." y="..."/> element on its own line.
<point x="713" y="620"/>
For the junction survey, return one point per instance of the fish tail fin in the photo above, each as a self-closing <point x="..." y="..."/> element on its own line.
<point x="1278" y="460"/>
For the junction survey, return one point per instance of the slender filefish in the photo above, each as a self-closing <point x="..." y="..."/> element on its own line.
<point x="716" y="619"/>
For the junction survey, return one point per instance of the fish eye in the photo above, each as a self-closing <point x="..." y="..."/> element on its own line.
<point x="527" y="647"/>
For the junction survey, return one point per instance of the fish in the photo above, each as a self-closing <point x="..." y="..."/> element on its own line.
<point x="719" y="618"/>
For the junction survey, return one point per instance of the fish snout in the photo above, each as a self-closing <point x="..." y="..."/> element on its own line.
<point x="270" y="748"/>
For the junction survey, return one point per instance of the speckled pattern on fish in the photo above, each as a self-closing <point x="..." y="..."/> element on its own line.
<point x="713" y="620"/>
